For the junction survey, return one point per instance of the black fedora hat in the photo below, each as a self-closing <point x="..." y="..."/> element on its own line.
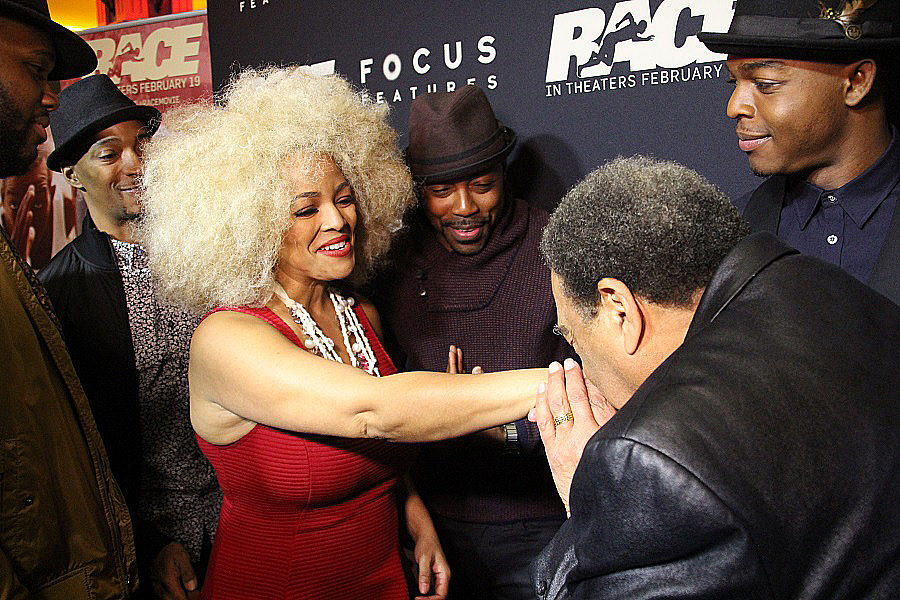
<point x="809" y="27"/>
<point x="454" y="134"/>
<point x="86" y="107"/>
<point x="74" y="57"/>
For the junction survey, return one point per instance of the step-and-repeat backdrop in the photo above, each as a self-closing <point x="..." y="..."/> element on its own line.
<point x="579" y="81"/>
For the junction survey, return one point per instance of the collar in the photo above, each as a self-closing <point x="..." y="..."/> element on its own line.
<point x="861" y="196"/>
<point x="750" y="256"/>
<point x="509" y="228"/>
<point x="457" y="282"/>
<point x="94" y="246"/>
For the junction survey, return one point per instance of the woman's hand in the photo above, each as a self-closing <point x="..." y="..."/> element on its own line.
<point x="568" y="411"/>
<point x="434" y="573"/>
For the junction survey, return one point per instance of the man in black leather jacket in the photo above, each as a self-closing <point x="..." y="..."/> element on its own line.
<point x="753" y="454"/>
<point x="130" y="349"/>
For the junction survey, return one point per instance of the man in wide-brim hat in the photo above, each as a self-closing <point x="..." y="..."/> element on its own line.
<point x="468" y="272"/>
<point x="133" y="368"/>
<point x="814" y="82"/>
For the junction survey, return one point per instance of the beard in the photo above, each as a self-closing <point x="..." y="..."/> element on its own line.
<point x="15" y="154"/>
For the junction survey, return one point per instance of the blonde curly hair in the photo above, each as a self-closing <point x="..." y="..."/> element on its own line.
<point x="216" y="200"/>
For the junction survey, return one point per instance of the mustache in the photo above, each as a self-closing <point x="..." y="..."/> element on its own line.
<point x="465" y="223"/>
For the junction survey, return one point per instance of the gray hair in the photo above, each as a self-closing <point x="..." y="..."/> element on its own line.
<point x="656" y="226"/>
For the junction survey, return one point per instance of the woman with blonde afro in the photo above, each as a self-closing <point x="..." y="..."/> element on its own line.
<point x="265" y="211"/>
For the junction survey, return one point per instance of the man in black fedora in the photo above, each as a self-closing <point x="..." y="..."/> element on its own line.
<point x="467" y="274"/>
<point x="129" y="350"/>
<point x="64" y="528"/>
<point x="814" y="84"/>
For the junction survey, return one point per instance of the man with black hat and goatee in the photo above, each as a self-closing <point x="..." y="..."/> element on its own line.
<point x="467" y="275"/>
<point x="64" y="528"/>
<point x="814" y="82"/>
<point x="130" y="350"/>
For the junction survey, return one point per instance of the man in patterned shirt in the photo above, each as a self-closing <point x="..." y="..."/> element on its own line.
<point x="130" y="351"/>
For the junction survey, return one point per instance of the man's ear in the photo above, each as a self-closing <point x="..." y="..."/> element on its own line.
<point x="69" y="173"/>
<point x="618" y="306"/>
<point x="860" y="77"/>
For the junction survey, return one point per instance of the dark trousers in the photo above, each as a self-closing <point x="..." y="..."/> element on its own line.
<point x="490" y="561"/>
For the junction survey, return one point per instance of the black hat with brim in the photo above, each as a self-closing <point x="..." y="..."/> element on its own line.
<point x="464" y="164"/>
<point x="454" y="135"/>
<point x="87" y="107"/>
<point x="809" y="28"/>
<point x="74" y="57"/>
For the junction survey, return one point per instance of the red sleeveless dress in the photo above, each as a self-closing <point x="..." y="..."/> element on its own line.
<point x="307" y="516"/>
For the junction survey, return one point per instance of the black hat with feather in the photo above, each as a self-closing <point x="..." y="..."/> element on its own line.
<point x="809" y="28"/>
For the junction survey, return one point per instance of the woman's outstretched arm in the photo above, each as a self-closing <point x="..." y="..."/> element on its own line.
<point x="243" y="371"/>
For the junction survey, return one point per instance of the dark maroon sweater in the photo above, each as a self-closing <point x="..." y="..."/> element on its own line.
<point x="498" y="307"/>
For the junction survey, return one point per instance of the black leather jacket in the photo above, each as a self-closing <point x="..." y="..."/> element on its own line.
<point x="85" y="286"/>
<point x="759" y="460"/>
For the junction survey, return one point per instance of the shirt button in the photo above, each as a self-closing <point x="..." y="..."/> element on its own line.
<point x="832" y="239"/>
<point x="830" y="198"/>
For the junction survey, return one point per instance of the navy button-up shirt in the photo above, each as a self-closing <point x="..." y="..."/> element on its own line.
<point x="847" y="226"/>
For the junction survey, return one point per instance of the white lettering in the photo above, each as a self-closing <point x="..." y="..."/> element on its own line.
<point x="632" y="35"/>
<point x="573" y="36"/>
<point x="665" y="21"/>
<point x="487" y="50"/>
<point x="365" y="67"/>
<point x="634" y="44"/>
<point x="105" y="49"/>
<point x="391" y="67"/>
<point x="417" y="65"/>
<point x="453" y="63"/>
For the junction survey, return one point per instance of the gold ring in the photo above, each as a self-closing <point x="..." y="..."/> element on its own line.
<point x="566" y="417"/>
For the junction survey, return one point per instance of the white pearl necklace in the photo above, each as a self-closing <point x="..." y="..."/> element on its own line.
<point x="361" y="354"/>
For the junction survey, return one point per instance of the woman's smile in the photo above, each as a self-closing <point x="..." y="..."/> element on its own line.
<point x="338" y="247"/>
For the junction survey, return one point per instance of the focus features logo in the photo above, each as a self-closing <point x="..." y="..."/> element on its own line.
<point x="420" y="71"/>
<point x="587" y="45"/>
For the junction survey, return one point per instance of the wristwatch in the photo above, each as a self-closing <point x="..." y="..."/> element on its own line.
<point x="512" y="439"/>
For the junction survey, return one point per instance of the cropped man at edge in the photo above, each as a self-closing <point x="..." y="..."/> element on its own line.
<point x="64" y="529"/>
<point x="468" y="273"/>
<point x="130" y="350"/>
<point x="814" y="82"/>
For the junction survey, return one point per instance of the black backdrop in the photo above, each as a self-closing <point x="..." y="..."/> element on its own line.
<point x="580" y="82"/>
